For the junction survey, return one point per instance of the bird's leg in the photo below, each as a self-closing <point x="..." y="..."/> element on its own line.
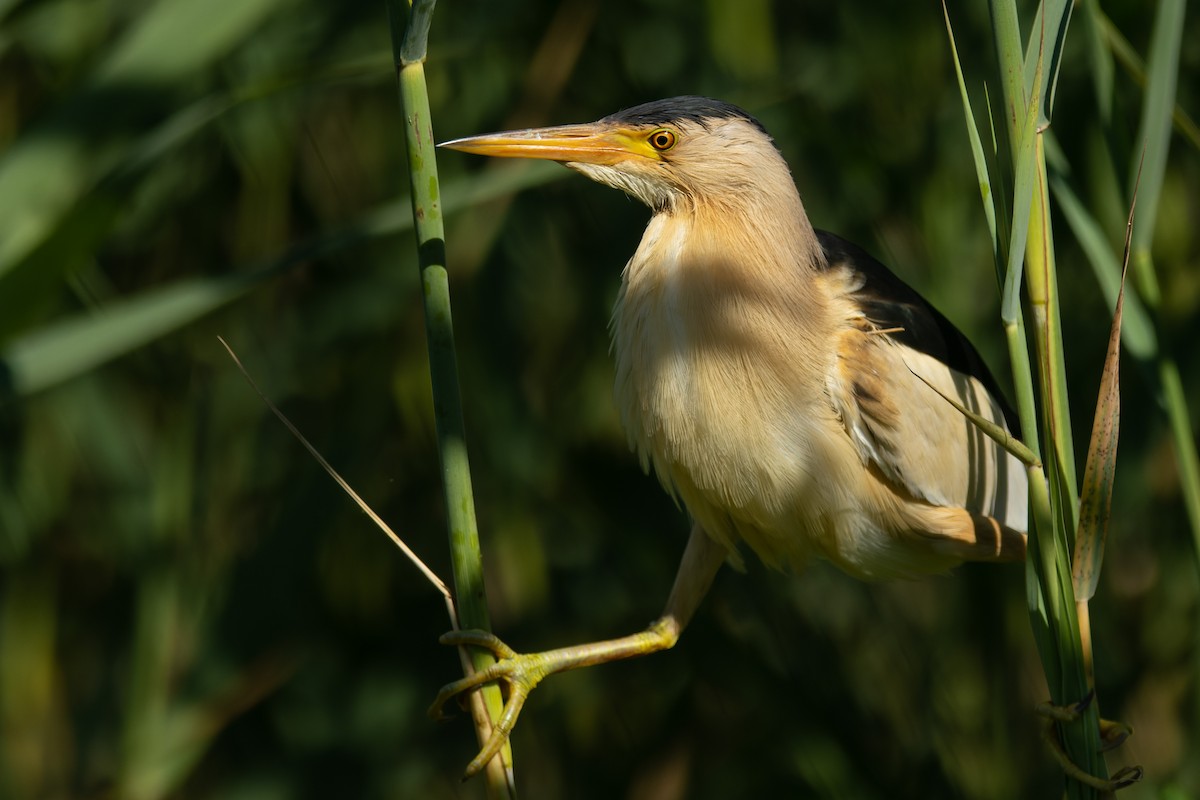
<point x="1112" y="734"/>
<point x="523" y="671"/>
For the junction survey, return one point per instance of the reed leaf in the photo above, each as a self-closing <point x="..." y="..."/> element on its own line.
<point x="44" y="173"/>
<point x="981" y="169"/>
<point x="1044" y="53"/>
<point x="1099" y="473"/>
<point x="1154" y="132"/>
<point x="1100" y="57"/>
<point x="47" y="356"/>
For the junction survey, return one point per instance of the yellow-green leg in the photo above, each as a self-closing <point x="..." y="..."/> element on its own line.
<point x="523" y="671"/>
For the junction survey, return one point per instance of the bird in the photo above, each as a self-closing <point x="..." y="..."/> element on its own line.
<point x="783" y="385"/>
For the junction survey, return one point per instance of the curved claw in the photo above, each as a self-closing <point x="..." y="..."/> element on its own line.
<point x="1112" y="734"/>
<point x="521" y="673"/>
<point x="1069" y="713"/>
<point x="1127" y="776"/>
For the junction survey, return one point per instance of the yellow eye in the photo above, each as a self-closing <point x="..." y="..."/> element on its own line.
<point x="662" y="139"/>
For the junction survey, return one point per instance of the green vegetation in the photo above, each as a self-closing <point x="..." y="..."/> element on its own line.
<point x="190" y="607"/>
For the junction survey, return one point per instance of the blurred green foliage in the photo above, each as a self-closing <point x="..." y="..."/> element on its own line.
<point x="190" y="608"/>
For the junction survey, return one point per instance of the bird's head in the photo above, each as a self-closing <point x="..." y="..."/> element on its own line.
<point x="680" y="152"/>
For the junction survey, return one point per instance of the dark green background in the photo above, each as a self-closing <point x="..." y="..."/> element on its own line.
<point x="189" y="607"/>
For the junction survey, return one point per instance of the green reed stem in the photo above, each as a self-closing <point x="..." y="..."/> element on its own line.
<point x="409" y="49"/>
<point x="1027" y="79"/>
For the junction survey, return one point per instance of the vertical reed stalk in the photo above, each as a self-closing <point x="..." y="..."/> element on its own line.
<point x="410" y="32"/>
<point x="1028" y="77"/>
<point x="1055" y="506"/>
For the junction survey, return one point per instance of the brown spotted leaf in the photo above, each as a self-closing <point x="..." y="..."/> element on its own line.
<point x="1095" y="499"/>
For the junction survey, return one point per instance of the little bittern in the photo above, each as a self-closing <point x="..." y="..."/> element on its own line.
<point x="779" y="380"/>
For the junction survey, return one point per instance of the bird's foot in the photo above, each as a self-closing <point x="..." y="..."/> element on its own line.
<point x="1112" y="734"/>
<point x="519" y="672"/>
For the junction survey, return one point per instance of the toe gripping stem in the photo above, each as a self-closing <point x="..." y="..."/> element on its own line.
<point x="521" y="672"/>
<point x="511" y="668"/>
<point x="1112" y="734"/>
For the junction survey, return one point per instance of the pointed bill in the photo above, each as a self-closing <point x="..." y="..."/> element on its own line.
<point x="593" y="143"/>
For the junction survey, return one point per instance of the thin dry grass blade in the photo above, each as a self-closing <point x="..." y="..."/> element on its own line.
<point x="429" y="574"/>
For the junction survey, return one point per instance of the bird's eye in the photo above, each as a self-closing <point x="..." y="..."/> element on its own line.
<point x="662" y="140"/>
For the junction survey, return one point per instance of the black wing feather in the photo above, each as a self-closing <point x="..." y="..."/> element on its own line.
<point x="891" y="303"/>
